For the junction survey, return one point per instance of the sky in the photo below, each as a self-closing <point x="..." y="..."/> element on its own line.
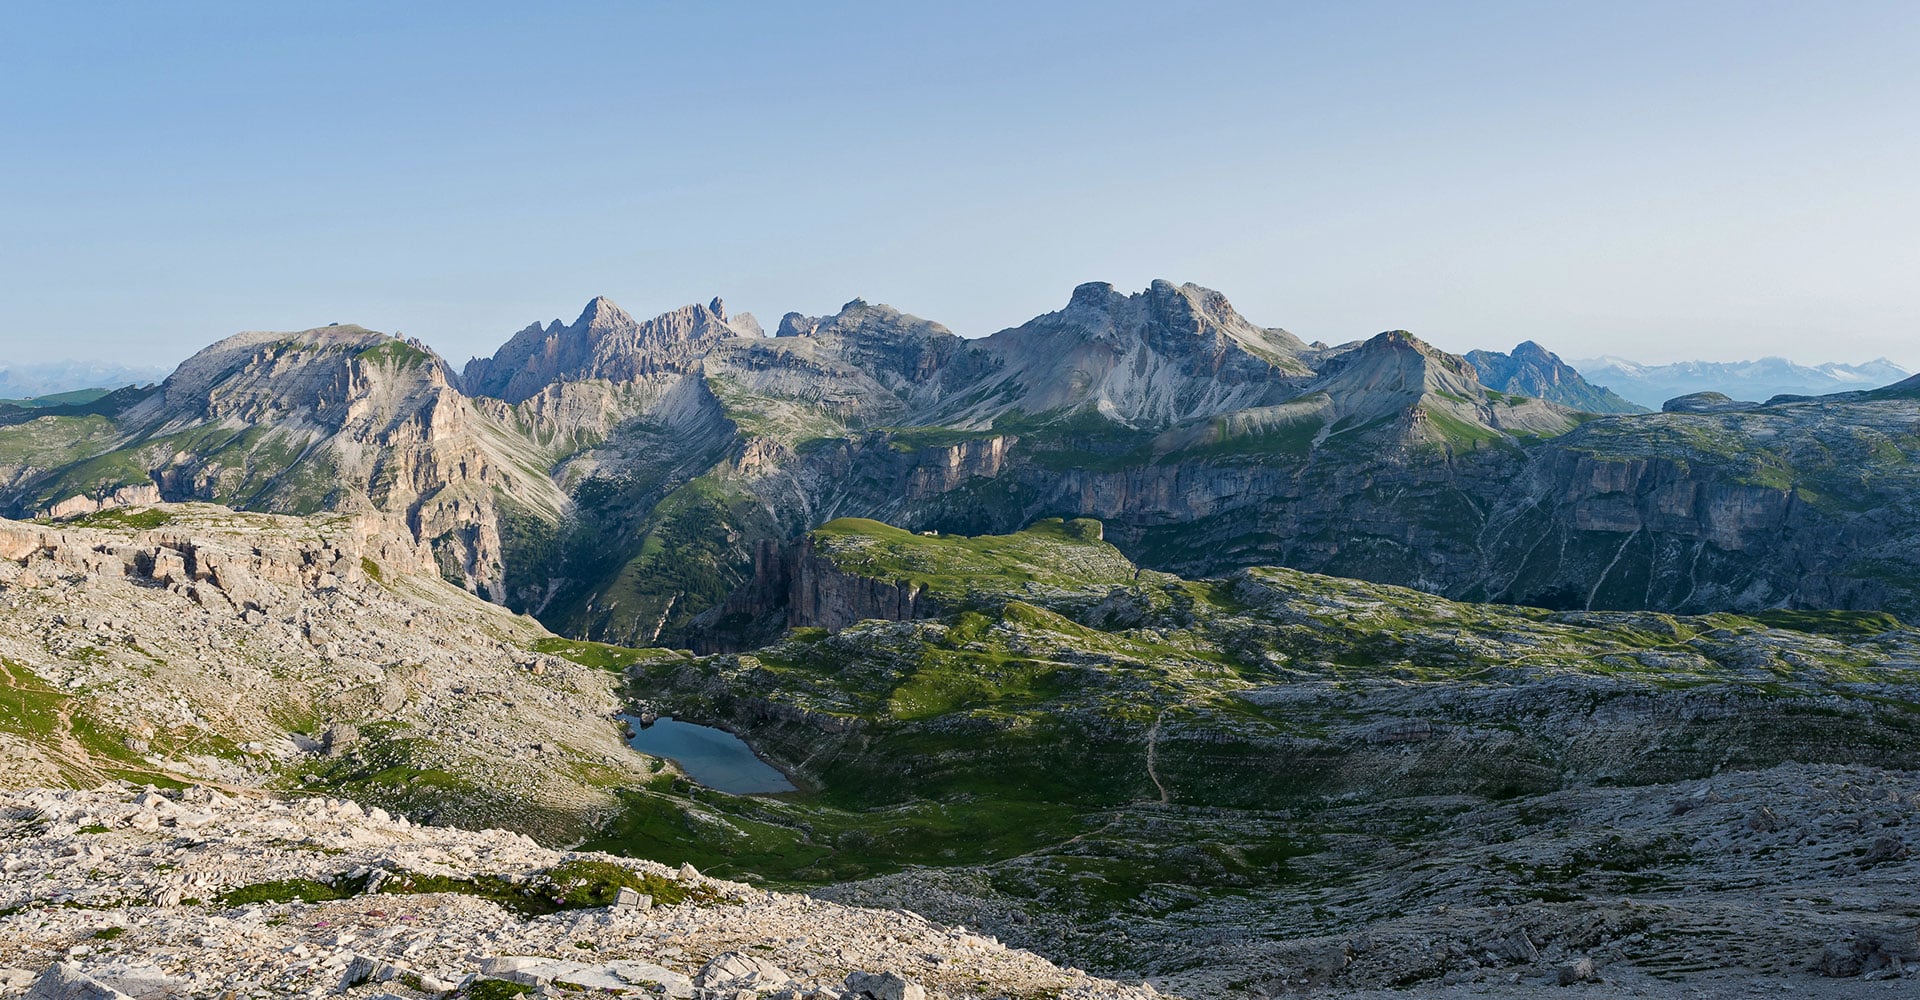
<point x="1660" y="181"/>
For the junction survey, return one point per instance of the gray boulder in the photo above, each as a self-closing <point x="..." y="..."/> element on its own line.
<point x="1579" y="970"/>
<point x="65" y="981"/>
<point x="883" y="986"/>
<point x="734" y="971"/>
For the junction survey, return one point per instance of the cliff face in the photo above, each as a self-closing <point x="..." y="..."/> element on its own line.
<point x="807" y="590"/>
<point x="820" y="595"/>
<point x="210" y="569"/>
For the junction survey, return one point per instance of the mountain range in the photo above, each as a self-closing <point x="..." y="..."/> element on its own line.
<point x="1145" y="637"/>
<point x="1652" y="385"/>
<point x="25" y="381"/>
<point x="615" y="477"/>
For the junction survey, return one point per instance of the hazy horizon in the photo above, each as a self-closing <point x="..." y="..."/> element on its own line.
<point x="1718" y="181"/>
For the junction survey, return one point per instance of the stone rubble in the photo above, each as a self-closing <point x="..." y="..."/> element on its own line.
<point x="115" y="892"/>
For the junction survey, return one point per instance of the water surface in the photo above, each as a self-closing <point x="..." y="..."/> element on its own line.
<point x="713" y="757"/>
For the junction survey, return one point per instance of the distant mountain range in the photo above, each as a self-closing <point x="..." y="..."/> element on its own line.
<point x="1652" y="385"/>
<point x="618" y="478"/>
<point x="52" y="377"/>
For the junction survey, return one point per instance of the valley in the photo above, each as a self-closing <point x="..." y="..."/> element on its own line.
<point x="1161" y="644"/>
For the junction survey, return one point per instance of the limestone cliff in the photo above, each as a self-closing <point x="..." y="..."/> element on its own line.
<point x="807" y="590"/>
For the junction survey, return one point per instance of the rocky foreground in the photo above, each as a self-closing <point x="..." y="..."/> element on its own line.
<point x="124" y="892"/>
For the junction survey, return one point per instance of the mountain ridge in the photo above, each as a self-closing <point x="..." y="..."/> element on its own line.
<point x="624" y="487"/>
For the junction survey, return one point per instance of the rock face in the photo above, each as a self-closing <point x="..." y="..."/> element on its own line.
<point x="338" y="418"/>
<point x="121" y="496"/>
<point x="803" y="589"/>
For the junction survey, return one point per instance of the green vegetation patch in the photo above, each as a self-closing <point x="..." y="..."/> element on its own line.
<point x="1841" y="623"/>
<point x="305" y="890"/>
<point x="599" y="655"/>
<point x="132" y="518"/>
<point x="572" y="885"/>
<point x="395" y="354"/>
<point x="1051" y="553"/>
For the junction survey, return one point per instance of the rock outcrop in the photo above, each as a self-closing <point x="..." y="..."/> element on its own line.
<point x="211" y="571"/>
<point x="119" y="496"/>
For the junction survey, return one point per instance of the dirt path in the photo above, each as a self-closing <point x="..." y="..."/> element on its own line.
<point x="1153" y="757"/>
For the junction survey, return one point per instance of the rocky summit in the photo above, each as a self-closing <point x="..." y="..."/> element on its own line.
<point x="1139" y="648"/>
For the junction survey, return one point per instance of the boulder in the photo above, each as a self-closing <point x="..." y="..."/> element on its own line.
<point x="1871" y="951"/>
<point x="65" y="981"/>
<point x="674" y="984"/>
<point x="735" y="971"/>
<point x="1579" y="970"/>
<point x="364" y="969"/>
<point x="883" y="986"/>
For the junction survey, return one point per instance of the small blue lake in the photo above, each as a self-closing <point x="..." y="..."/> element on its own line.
<point x="713" y="757"/>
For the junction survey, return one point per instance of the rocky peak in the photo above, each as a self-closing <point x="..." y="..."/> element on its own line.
<point x="308" y="377"/>
<point x="1532" y="370"/>
<point x="601" y="316"/>
<point x="1092" y="294"/>
<point x="794" y="324"/>
<point x="1530" y="351"/>
<point x="1707" y="402"/>
<point x="1425" y="395"/>
<point x="1403" y="361"/>
<point x="1147" y="359"/>
<point x="604" y="343"/>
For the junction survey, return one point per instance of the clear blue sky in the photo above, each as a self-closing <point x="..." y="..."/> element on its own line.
<point x="1656" y="180"/>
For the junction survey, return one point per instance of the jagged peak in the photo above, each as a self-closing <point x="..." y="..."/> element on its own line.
<point x="602" y="313"/>
<point x="795" y="324"/>
<point x="1181" y="312"/>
